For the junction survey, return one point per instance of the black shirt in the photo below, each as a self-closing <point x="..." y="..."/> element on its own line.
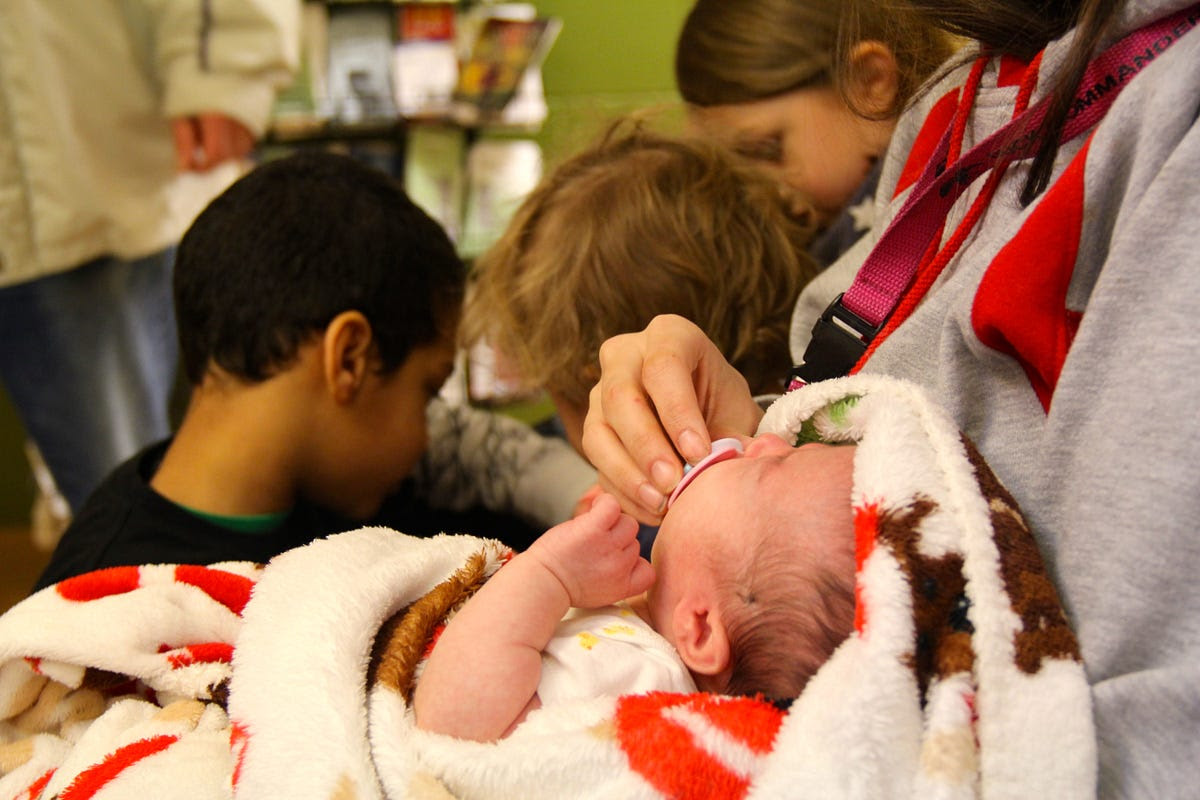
<point x="125" y="522"/>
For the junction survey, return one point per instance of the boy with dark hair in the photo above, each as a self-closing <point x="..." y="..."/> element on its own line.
<point x="317" y="307"/>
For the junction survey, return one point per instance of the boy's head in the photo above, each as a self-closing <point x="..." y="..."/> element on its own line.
<point x="640" y="225"/>
<point x="755" y="567"/>
<point x="320" y="266"/>
<point x="297" y="241"/>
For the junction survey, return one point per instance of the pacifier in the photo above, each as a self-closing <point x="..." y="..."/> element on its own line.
<point x="722" y="450"/>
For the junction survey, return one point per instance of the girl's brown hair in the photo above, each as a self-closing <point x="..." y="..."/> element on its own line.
<point x="638" y="225"/>
<point x="737" y="51"/>
<point x="1020" y="28"/>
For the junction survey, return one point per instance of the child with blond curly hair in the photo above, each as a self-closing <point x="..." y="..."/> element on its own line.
<point x="637" y="225"/>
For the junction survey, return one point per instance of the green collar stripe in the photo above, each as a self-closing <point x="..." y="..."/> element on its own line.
<point x="249" y="523"/>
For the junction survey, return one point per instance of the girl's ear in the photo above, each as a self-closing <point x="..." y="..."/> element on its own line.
<point x="874" y="78"/>
<point x="700" y="635"/>
<point x="346" y="354"/>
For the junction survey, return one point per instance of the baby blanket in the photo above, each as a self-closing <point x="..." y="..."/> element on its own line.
<point x="962" y="678"/>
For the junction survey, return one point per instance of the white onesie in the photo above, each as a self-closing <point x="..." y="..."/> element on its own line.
<point x="609" y="651"/>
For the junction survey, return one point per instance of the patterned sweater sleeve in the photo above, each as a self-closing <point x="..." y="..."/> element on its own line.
<point x="478" y="458"/>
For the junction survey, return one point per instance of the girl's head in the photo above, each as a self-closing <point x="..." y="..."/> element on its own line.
<point x="738" y="51"/>
<point x="636" y="226"/>
<point x="1017" y="27"/>
<point x="779" y="82"/>
<point x="1021" y="28"/>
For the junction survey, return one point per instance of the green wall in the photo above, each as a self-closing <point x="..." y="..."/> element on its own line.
<point x="612" y="57"/>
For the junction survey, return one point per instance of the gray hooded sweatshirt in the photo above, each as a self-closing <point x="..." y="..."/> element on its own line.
<point x="1062" y="339"/>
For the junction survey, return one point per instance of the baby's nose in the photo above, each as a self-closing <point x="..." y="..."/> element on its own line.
<point x="766" y="444"/>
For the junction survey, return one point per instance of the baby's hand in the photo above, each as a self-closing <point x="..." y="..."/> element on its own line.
<point x="596" y="556"/>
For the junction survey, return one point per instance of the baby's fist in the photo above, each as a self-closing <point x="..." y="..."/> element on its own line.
<point x="596" y="555"/>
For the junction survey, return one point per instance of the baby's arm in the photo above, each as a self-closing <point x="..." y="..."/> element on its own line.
<point x="482" y="676"/>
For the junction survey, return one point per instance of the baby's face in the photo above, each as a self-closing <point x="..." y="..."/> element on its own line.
<point x="733" y="505"/>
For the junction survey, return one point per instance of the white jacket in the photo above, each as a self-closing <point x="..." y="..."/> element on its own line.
<point x="87" y="89"/>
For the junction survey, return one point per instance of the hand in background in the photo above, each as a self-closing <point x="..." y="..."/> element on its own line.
<point x="205" y="140"/>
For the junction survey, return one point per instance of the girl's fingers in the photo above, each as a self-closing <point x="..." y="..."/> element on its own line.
<point x="620" y="477"/>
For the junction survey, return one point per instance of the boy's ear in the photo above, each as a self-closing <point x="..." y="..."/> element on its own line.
<point x="346" y="350"/>
<point x="700" y="635"/>
<point x="874" y="77"/>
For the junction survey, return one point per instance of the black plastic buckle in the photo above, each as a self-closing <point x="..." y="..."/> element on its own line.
<point x="839" y="340"/>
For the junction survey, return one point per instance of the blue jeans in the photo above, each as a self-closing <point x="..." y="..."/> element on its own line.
<point x="88" y="357"/>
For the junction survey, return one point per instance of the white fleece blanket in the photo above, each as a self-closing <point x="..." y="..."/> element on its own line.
<point x="961" y="680"/>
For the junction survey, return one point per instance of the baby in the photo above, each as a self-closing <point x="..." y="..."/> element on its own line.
<point x="749" y="589"/>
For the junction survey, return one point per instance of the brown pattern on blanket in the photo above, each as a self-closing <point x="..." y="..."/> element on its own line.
<point x="942" y="628"/>
<point x="1045" y="632"/>
<point x="403" y="639"/>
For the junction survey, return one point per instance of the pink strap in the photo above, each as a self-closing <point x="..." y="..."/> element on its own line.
<point x="892" y="264"/>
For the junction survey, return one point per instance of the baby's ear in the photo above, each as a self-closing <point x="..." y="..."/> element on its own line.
<point x="346" y="354"/>
<point x="700" y="634"/>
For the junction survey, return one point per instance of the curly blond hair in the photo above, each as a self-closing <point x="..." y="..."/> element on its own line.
<point x="638" y="225"/>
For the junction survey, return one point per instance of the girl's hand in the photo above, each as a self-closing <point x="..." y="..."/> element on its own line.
<point x="663" y="392"/>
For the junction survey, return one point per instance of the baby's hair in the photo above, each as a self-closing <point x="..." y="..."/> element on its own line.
<point x="785" y="613"/>
<point x="738" y="51"/>
<point x="638" y="225"/>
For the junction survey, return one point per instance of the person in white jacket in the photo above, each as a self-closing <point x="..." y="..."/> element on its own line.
<point x="119" y="121"/>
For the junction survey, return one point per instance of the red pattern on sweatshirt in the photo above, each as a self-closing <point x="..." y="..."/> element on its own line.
<point x="1020" y="308"/>
<point x="932" y="130"/>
